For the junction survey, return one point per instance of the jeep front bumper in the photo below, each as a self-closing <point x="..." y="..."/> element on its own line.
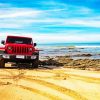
<point x="27" y="57"/>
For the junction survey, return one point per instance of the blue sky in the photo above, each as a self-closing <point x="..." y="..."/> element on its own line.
<point x="51" y="21"/>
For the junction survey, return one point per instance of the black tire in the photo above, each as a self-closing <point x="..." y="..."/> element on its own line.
<point x="2" y="62"/>
<point x="35" y="62"/>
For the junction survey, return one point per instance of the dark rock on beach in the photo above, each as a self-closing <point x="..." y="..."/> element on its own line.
<point x="68" y="62"/>
<point x="88" y="55"/>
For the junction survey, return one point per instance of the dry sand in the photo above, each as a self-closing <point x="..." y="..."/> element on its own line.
<point x="46" y="84"/>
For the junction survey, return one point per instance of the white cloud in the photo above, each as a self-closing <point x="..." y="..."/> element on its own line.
<point x="10" y="25"/>
<point x="18" y="12"/>
<point x="62" y="37"/>
<point x="13" y="17"/>
<point x="82" y="22"/>
<point x="81" y="10"/>
<point x="84" y="10"/>
<point x="17" y="17"/>
<point x="66" y="38"/>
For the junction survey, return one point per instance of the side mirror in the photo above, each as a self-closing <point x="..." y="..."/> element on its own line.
<point x="35" y="44"/>
<point x="3" y="42"/>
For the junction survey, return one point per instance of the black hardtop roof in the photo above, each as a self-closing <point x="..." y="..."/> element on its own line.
<point x="18" y="36"/>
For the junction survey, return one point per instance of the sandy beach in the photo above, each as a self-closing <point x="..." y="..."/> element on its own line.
<point x="57" y="83"/>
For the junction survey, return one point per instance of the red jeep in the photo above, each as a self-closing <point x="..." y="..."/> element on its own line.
<point x="20" y="50"/>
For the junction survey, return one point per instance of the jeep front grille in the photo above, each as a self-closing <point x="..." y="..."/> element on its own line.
<point x="20" y="50"/>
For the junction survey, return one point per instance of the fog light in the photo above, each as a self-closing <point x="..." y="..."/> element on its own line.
<point x="6" y="56"/>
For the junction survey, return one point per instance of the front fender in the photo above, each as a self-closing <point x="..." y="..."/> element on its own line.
<point x="2" y="48"/>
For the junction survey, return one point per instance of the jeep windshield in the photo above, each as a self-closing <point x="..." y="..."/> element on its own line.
<point x="19" y="40"/>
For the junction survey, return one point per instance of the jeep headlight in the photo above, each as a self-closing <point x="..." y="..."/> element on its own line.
<point x="30" y="49"/>
<point x="9" y="48"/>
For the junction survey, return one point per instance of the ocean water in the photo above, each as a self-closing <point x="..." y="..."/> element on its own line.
<point x="70" y="44"/>
<point x="70" y="49"/>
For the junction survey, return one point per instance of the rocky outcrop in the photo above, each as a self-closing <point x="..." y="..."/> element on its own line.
<point x="67" y="62"/>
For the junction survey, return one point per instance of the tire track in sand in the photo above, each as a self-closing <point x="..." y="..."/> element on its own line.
<point x="86" y="78"/>
<point x="61" y="89"/>
<point x="73" y="76"/>
<point x="10" y="72"/>
<point x="12" y="76"/>
<point x="50" y="85"/>
<point x="59" y="73"/>
<point x="48" y="95"/>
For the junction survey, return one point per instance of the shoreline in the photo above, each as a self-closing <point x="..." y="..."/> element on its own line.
<point x="85" y="58"/>
<point x="72" y="51"/>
